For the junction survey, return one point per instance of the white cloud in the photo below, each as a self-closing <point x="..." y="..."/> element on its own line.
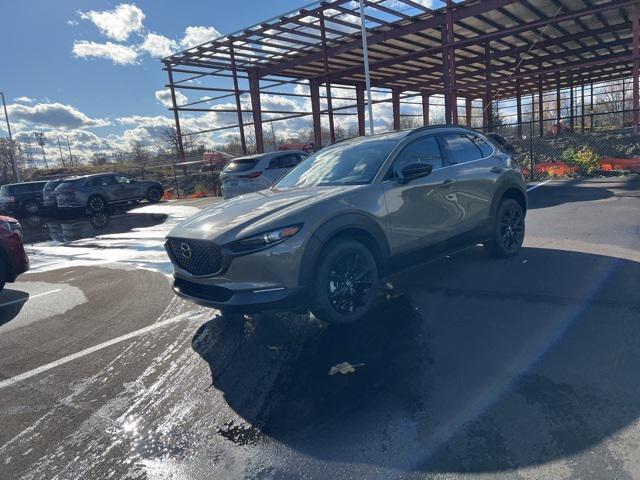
<point x="118" y="54"/>
<point x="119" y="23"/>
<point x="55" y="115"/>
<point x="146" y="121"/>
<point x="158" y="45"/>
<point x="72" y="23"/>
<point x="24" y="100"/>
<point x="164" y="97"/>
<point x="198" y="35"/>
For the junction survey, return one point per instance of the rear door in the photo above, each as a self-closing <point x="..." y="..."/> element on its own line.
<point x="127" y="189"/>
<point x="425" y="210"/>
<point x="475" y="173"/>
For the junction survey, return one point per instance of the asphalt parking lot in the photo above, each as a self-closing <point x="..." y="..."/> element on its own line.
<point x="525" y="368"/>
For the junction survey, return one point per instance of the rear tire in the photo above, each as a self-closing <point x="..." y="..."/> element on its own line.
<point x="154" y="194"/>
<point x="96" y="204"/>
<point x="346" y="283"/>
<point x="31" y="207"/>
<point x="508" y="230"/>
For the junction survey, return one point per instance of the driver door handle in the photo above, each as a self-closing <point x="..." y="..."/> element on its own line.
<point x="448" y="183"/>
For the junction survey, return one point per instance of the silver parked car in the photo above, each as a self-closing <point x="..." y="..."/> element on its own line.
<point x="324" y="235"/>
<point x="95" y="192"/>
<point x="257" y="172"/>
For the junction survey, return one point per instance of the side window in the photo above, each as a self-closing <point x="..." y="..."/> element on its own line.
<point x="423" y="150"/>
<point x="284" y="161"/>
<point x="461" y="149"/>
<point x="121" y="179"/>
<point x="106" y="181"/>
<point x="484" y="147"/>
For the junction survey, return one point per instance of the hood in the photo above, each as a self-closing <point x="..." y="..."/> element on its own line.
<point x="258" y="208"/>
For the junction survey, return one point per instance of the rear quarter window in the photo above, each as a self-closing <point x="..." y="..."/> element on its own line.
<point x="5" y="190"/>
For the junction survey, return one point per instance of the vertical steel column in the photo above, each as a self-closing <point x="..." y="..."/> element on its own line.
<point x="362" y="128"/>
<point x="624" y="101"/>
<point x="558" y="103"/>
<point x="591" y="104"/>
<point x="325" y="55"/>
<point x="395" y="102"/>
<point x="467" y="110"/>
<point x="176" y="115"/>
<point x="314" y="88"/>
<point x="256" y="108"/>
<point x="636" y="68"/>
<point x="540" y="107"/>
<point x="367" y="73"/>
<point x="452" y="64"/>
<point x="582" y="106"/>
<point x="236" y="90"/>
<point x="425" y="109"/>
<point x="518" y="108"/>
<point x="533" y="113"/>
<point x="446" y="71"/>
<point x="571" y="123"/>
<point x="488" y="96"/>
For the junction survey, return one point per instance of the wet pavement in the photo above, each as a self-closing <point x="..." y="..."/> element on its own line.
<point x="523" y="368"/>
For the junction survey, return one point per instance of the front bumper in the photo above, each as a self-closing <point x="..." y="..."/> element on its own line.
<point x="247" y="301"/>
<point x="262" y="280"/>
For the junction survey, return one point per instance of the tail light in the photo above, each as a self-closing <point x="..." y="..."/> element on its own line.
<point x="251" y="175"/>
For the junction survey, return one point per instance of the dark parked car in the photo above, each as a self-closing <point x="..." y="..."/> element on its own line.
<point x="48" y="192"/>
<point x="21" y="198"/>
<point x="325" y="234"/>
<point x="13" y="259"/>
<point x="95" y="192"/>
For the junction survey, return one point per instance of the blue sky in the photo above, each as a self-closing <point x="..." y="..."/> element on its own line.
<point x="50" y="61"/>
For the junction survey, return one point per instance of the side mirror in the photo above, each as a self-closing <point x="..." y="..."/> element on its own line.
<point x="415" y="170"/>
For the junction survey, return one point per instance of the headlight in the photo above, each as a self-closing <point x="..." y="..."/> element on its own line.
<point x="11" y="227"/>
<point x="264" y="240"/>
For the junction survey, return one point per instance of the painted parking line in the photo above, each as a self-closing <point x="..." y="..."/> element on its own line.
<point x="533" y="187"/>
<point x="30" y="297"/>
<point x="192" y="315"/>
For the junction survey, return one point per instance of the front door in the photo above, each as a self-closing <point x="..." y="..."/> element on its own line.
<point x="423" y="211"/>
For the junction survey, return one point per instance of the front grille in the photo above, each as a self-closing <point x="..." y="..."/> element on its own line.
<point x="198" y="257"/>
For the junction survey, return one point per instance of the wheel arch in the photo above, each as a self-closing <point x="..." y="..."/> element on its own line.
<point x="509" y="190"/>
<point x="351" y="226"/>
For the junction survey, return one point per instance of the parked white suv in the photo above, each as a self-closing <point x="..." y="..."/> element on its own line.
<point x="257" y="172"/>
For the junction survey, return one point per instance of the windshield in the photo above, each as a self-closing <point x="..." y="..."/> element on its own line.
<point x="355" y="162"/>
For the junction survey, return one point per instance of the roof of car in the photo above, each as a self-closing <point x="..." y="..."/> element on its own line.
<point x="23" y="183"/>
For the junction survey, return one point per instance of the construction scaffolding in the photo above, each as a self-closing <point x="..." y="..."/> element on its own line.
<point x="539" y="59"/>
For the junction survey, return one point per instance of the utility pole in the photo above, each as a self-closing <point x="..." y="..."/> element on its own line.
<point x="70" y="155"/>
<point x="60" y="149"/>
<point x="273" y="134"/>
<point x="12" y="147"/>
<point x="41" y="139"/>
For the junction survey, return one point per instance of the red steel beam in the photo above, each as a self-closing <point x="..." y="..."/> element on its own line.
<point x="237" y="94"/>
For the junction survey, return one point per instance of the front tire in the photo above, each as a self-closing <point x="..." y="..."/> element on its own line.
<point x="346" y="283"/>
<point x="508" y="230"/>
<point x="96" y="204"/>
<point x="154" y="194"/>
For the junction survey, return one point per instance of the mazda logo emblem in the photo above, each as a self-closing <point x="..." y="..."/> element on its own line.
<point x="185" y="250"/>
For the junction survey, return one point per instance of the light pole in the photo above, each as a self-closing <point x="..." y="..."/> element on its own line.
<point x="16" y="173"/>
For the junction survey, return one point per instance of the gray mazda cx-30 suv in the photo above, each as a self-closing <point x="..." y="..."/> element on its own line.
<point x="324" y="235"/>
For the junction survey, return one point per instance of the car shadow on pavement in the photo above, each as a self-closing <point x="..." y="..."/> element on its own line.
<point x="554" y="195"/>
<point x="11" y="303"/>
<point x="473" y="365"/>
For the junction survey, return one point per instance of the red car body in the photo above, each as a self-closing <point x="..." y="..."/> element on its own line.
<point x="13" y="258"/>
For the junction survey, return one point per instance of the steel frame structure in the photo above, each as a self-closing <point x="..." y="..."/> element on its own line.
<point x="483" y="50"/>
